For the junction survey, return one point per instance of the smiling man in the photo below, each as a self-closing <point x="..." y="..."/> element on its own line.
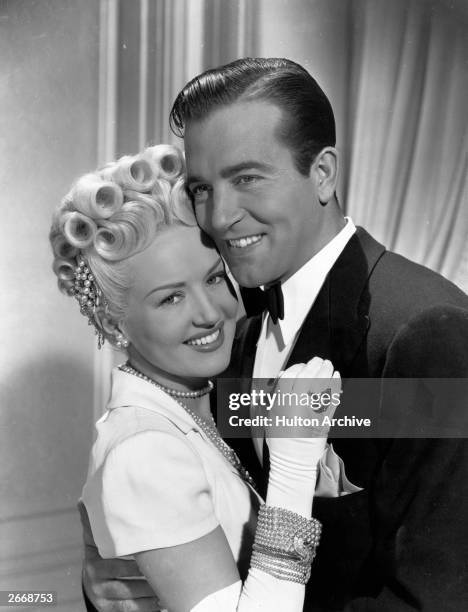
<point x="265" y="215"/>
<point x="262" y="172"/>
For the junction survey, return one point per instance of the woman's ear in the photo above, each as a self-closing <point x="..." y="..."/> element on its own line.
<point x="325" y="168"/>
<point x="114" y="333"/>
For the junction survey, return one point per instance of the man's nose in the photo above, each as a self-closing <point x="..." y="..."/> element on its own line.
<point x="206" y="312"/>
<point x="225" y="210"/>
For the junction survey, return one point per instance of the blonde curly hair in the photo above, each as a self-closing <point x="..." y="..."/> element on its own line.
<point x="114" y="213"/>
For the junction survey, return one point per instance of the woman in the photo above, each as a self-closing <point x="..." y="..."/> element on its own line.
<point x="163" y="487"/>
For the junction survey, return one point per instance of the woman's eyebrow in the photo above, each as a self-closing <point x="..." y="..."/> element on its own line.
<point x="181" y="284"/>
<point x="220" y="261"/>
<point x="167" y="286"/>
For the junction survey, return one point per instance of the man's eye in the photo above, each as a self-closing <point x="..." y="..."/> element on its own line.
<point x="246" y="179"/>
<point x="200" y="192"/>
<point x="217" y="278"/>
<point x="171" y="300"/>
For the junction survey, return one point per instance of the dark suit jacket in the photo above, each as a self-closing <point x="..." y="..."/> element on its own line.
<point x="401" y="543"/>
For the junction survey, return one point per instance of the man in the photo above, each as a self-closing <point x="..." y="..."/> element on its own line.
<point x="262" y="171"/>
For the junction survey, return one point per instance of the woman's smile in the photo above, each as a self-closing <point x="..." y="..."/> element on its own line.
<point x="208" y="342"/>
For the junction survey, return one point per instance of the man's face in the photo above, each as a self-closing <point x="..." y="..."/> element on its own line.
<point x="263" y="214"/>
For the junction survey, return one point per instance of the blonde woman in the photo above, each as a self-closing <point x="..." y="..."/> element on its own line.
<point x="163" y="487"/>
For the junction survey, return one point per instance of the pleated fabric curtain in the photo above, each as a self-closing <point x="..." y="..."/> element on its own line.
<point x="149" y="49"/>
<point x="406" y="155"/>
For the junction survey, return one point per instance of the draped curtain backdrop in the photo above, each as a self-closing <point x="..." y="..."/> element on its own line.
<point x="406" y="152"/>
<point x="149" y="49"/>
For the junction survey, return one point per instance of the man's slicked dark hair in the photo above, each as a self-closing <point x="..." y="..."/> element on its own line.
<point x="308" y="123"/>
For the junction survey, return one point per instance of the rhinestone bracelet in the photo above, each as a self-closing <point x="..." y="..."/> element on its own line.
<point x="283" y="569"/>
<point x="285" y="543"/>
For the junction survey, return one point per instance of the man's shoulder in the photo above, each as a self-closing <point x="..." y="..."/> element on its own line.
<point x="397" y="279"/>
<point x="408" y="302"/>
<point x="433" y="343"/>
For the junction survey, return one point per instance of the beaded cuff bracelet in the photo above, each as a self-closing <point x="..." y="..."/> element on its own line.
<point x="285" y="543"/>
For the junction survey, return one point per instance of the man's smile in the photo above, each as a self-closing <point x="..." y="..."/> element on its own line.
<point x="245" y="241"/>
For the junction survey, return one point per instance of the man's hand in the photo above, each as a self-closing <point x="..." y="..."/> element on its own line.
<point x="113" y="585"/>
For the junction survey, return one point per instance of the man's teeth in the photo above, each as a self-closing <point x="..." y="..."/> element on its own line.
<point x="240" y="243"/>
<point x="205" y="340"/>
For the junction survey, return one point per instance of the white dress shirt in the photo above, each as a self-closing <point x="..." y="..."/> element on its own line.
<point x="300" y="291"/>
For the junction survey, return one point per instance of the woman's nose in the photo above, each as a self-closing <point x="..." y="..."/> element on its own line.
<point x="206" y="312"/>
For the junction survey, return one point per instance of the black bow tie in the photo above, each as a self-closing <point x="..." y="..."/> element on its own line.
<point x="257" y="301"/>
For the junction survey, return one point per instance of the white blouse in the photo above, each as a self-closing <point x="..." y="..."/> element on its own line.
<point x="155" y="480"/>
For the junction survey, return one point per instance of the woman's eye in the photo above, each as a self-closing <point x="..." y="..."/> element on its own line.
<point x="171" y="300"/>
<point x="215" y="279"/>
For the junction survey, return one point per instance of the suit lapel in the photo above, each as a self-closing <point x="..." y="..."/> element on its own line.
<point x="315" y="336"/>
<point x="247" y="346"/>
<point x="337" y="323"/>
<point x="241" y="367"/>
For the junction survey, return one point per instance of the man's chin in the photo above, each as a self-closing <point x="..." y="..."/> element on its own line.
<point x="249" y="278"/>
<point x="247" y="273"/>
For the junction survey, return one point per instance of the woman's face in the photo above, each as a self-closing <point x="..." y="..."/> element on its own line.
<point x="181" y="313"/>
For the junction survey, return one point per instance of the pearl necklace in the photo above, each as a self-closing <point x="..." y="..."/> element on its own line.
<point x="208" y="427"/>
<point x="126" y="367"/>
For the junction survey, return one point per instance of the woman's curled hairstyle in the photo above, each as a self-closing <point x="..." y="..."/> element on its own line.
<point x="110" y="215"/>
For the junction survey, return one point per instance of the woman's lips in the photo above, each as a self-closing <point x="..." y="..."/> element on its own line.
<point x="208" y="342"/>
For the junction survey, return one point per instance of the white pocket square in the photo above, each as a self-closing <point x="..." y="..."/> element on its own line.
<point x="331" y="479"/>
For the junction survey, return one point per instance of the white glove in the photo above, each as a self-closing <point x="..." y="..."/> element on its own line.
<point x="260" y="593"/>
<point x="293" y="473"/>
<point x="294" y="460"/>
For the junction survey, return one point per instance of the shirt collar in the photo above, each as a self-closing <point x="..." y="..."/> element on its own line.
<point x="302" y="288"/>
<point x="129" y="390"/>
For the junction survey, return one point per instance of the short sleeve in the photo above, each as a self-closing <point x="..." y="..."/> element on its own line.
<point x="152" y="493"/>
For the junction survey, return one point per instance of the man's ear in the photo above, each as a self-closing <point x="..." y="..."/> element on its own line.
<point x="325" y="170"/>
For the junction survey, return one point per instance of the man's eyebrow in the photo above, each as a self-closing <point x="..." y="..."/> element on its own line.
<point x="182" y="284"/>
<point x="233" y="170"/>
<point x="245" y="165"/>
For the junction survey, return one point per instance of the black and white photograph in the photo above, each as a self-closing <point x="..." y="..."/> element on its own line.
<point x="234" y="306"/>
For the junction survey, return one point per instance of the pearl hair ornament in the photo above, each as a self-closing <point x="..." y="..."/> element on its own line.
<point x="89" y="296"/>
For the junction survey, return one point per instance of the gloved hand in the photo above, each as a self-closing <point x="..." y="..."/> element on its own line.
<point x="294" y="459"/>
